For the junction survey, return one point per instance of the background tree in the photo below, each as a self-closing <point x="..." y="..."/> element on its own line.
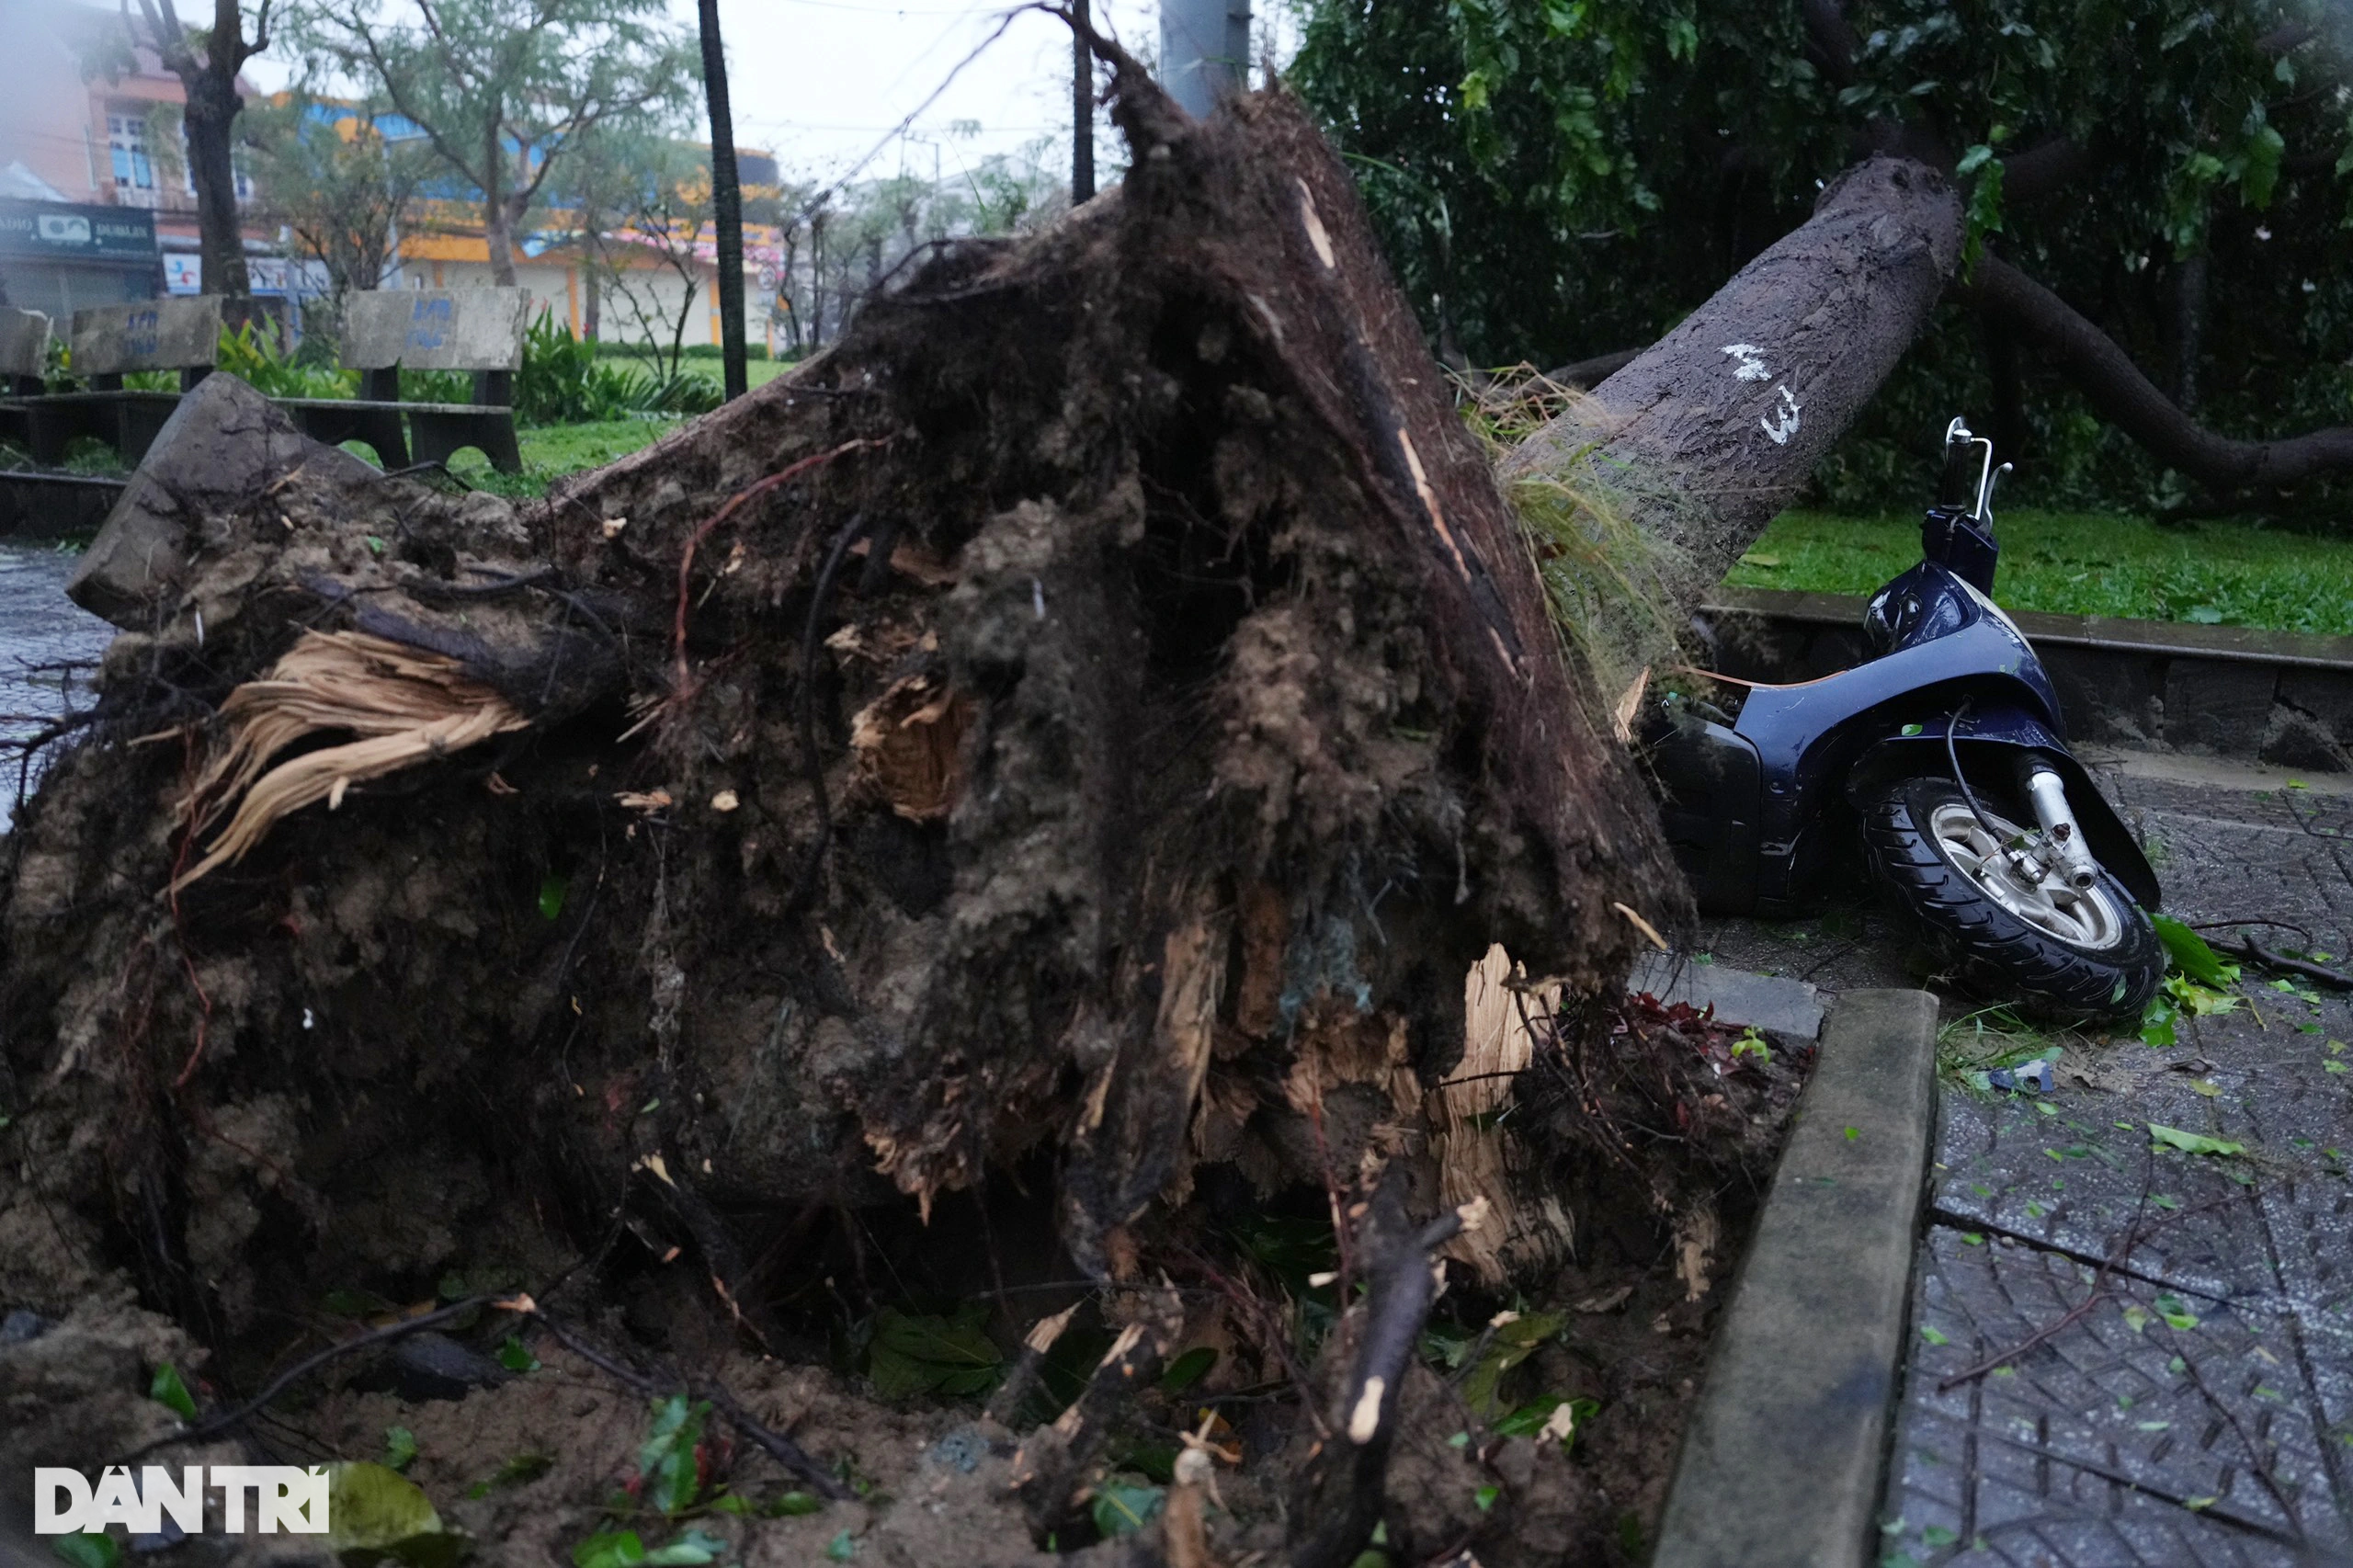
<point x="604" y="179"/>
<point x="503" y="89"/>
<point x="1555" y="184"/>
<point x="207" y="61"/>
<point x="668" y="204"/>
<point x="330" y="173"/>
<point x="726" y="200"/>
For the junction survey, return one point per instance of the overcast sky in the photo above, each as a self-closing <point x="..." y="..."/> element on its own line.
<point x="821" y="81"/>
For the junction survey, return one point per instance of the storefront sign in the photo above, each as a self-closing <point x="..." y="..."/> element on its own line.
<point x="120" y="235"/>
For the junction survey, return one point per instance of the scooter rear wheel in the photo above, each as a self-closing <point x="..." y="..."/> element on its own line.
<point x="2088" y="955"/>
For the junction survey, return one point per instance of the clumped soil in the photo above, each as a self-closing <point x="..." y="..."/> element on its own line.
<point x="996" y="821"/>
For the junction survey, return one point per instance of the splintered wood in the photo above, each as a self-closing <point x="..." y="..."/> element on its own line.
<point x="407" y="706"/>
<point x="905" y="742"/>
<point x="1476" y="1155"/>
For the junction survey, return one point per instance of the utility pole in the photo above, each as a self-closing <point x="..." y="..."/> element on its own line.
<point x="1081" y="107"/>
<point x="1204" y="51"/>
<point x="726" y="200"/>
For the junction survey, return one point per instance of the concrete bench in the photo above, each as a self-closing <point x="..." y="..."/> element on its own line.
<point x="108" y="343"/>
<point x="476" y="330"/>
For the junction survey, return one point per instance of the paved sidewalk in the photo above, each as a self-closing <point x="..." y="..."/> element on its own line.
<point x="2201" y="1410"/>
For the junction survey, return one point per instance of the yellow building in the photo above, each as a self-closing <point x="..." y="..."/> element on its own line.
<point x="643" y="305"/>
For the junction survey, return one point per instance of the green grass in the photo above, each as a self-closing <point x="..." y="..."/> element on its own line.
<point x="551" y="451"/>
<point x="757" y="372"/>
<point x="2229" y="573"/>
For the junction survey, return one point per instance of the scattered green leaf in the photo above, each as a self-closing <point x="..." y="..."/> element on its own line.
<point x="2194" y="1143"/>
<point x="515" y="1357"/>
<point x="912" y="1355"/>
<point x="90" y="1549"/>
<point x="609" y="1549"/>
<point x="516" y="1471"/>
<point x="400" y="1448"/>
<point x="1512" y="1343"/>
<point x="690" y="1551"/>
<point x="376" y="1515"/>
<point x="2177" y="1315"/>
<point x="668" y="1462"/>
<point x="2190" y="953"/>
<point x="1189" y="1368"/>
<point x="168" y="1391"/>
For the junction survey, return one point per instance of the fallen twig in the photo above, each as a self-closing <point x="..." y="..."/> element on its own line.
<point x="1403" y="1290"/>
<point x="2247" y="949"/>
<point x="1006" y="1404"/>
<point x="1048" y="1468"/>
<point x="775" y="1444"/>
<point x="214" y="1426"/>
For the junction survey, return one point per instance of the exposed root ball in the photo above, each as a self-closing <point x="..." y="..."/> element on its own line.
<point x="1094" y="715"/>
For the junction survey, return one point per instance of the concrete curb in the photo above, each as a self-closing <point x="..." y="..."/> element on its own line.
<point x="1781" y="1463"/>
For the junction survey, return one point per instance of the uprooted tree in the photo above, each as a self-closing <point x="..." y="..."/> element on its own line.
<point x="1100" y="710"/>
<point x="2159" y="188"/>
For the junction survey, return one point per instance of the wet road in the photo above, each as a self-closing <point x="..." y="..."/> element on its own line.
<point x="41" y="633"/>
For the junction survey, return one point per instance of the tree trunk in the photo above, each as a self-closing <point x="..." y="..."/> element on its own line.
<point x="2188" y="327"/>
<point x="2011" y="437"/>
<point x="816" y="280"/>
<point x="1715" y="428"/>
<point x="498" y="221"/>
<point x="212" y="106"/>
<point x="726" y="200"/>
<point x="1081" y="108"/>
<point x="209" y="118"/>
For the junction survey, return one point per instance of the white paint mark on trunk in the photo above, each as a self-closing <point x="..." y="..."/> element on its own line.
<point x="1784" y="421"/>
<point x="1748" y="362"/>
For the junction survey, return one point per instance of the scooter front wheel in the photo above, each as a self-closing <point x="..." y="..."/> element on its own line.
<point x="2056" y="951"/>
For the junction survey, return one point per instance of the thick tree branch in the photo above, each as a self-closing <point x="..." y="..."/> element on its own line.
<point x="2120" y="394"/>
<point x="2043" y="170"/>
<point x="1586" y="374"/>
<point x="1830" y="40"/>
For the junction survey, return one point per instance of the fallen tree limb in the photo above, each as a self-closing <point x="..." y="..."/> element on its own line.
<point x="2120" y="394"/>
<point x="1712" y="431"/>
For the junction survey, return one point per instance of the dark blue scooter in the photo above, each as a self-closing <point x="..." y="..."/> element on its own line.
<point x="1932" y="753"/>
